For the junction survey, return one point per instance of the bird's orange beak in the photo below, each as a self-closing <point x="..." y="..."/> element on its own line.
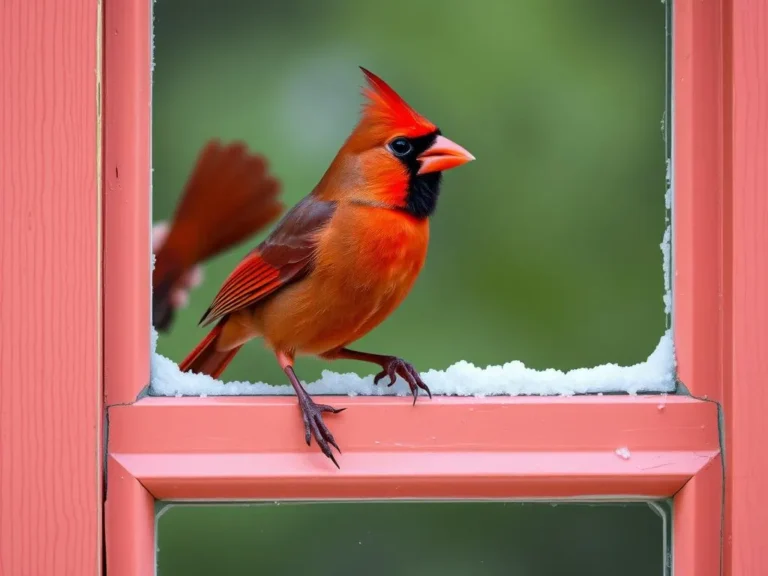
<point x="443" y="155"/>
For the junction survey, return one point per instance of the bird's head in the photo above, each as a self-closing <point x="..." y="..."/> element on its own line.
<point x="395" y="156"/>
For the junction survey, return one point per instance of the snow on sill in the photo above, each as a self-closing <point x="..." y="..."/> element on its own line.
<point x="656" y="374"/>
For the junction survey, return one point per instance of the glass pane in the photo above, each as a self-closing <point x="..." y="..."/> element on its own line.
<point x="543" y="250"/>
<point x="414" y="538"/>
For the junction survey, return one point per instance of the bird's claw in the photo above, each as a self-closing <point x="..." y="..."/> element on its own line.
<point x="394" y="367"/>
<point x="314" y="426"/>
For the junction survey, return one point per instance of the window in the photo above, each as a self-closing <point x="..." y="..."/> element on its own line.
<point x="203" y="448"/>
<point x="521" y="448"/>
<point x="543" y="250"/>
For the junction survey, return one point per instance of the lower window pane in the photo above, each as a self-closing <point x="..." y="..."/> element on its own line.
<point x="398" y="538"/>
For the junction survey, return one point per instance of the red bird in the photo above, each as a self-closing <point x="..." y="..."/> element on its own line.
<point x="342" y="259"/>
<point x="228" y="197"/>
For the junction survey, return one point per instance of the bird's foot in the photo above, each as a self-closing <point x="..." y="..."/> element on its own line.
<point x="393" y="366"/>
<point x="314" y="426"/>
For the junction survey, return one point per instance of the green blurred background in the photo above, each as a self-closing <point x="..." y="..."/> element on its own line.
<point x="413" y="539"/>
<point x="545" y="249"/>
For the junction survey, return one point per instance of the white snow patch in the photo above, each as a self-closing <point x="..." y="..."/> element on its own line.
<point x="666" y="246"/>
<point x="656" y="374"/>
<point x="623" y="452"/>
<point x="666" y="249"/>
<point x="152" y="43"/>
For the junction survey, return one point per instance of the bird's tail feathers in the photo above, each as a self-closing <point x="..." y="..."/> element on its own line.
<point x="206" y="358"/>
<point x="228" y="198"/>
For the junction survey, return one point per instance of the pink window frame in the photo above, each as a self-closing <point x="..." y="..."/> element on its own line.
<point x="74" y="306"/>
<point x="186" y="448"/>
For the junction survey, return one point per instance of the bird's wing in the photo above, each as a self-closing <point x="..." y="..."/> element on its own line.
<point x="285" y="256"/>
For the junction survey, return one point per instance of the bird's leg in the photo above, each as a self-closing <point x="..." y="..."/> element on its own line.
<point x="391" y="366"/>
<point x="311" y="413"/>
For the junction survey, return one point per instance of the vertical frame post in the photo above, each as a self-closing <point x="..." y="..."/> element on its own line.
<point x="697" y="518"/>
<point x="129" y="513"/>
<point x="721" y="265"/>
<point x="698" y="180"/>
<point x="130" y="525"/>
<point x="746" y="306"/>
<point x="699" y="116"/>
<point x="127" y="185"/>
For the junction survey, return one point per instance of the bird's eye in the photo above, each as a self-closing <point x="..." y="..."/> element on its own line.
<point x="400" y="147"/>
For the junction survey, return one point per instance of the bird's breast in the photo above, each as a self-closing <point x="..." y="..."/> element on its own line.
<point x="366" y="263"/>
<point x="375" y="248"/>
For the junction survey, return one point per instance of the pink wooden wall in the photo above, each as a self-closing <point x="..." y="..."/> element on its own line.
<point x="50" y="289"/>
<point x="745" y="357"/>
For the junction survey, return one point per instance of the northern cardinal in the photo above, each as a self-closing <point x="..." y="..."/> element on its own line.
<point x="342" y="259"/>
<point x="228" y="197"/>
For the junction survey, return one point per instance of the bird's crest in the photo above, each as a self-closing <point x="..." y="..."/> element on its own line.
<point x="384" y="106"/>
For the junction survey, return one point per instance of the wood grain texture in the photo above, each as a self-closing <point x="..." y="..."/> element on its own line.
<point x="746" y="400"/>
<point x="50" y="309"/>
<point x="127" y="186"/>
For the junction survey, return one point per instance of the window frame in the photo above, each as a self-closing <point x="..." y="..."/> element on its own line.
<point x="520" y="447"/>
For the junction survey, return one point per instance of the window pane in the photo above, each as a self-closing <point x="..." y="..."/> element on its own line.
<point x="414" y="538"/>
<point x="544" y="250"/>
